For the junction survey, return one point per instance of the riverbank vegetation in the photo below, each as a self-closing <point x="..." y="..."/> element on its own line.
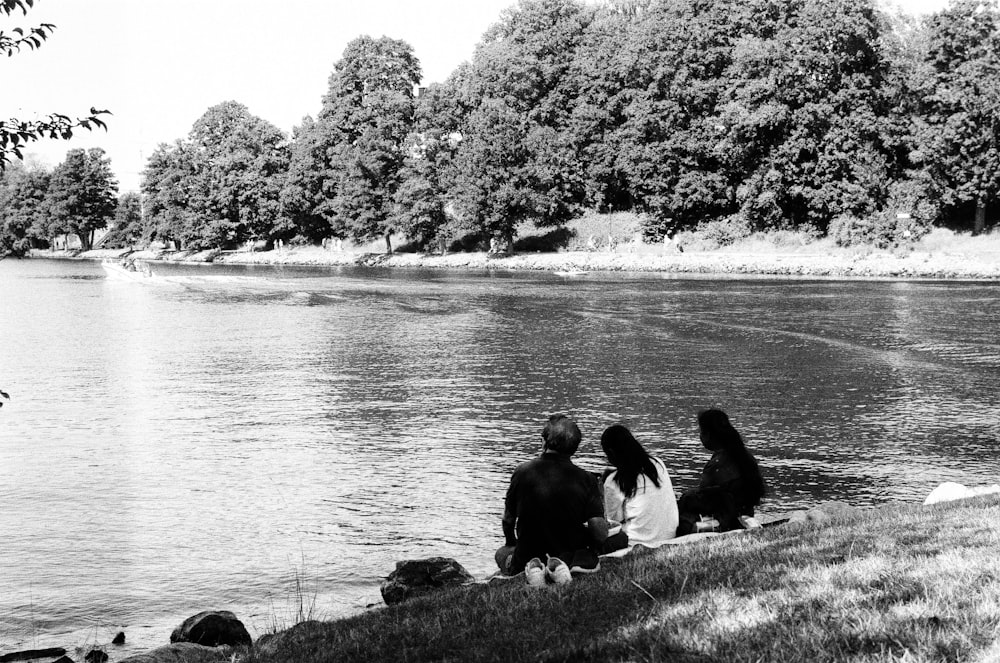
<point x="823" y="117"/>
<point x="898" y="583"/>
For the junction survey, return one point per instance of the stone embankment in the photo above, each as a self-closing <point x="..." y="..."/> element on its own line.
<point x="815" y="263"/>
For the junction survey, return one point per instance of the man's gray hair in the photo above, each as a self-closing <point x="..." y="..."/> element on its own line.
<point x="561" y="434"/>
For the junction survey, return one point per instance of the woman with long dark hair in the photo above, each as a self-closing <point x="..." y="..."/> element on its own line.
<point x="731" y="484"/>
<point x="637" y="493"/>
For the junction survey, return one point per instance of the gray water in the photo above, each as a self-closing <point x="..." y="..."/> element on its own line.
<point x="252" y="438"/>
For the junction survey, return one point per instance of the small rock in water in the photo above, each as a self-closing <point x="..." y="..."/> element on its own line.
<point x="119" y="639"/>
<point x="96" y="656"/>
<point x="30" y="654"/>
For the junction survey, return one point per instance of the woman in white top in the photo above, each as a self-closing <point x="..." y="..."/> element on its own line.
<point x="638" y="493"/>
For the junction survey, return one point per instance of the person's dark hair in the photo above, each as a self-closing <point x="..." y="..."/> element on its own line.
<point x="629" y="457"/>
<point x="718" y="434"/>
<point x="561" y="434"/>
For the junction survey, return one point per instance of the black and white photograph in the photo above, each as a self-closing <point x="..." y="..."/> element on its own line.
<point x="630" y="331"/>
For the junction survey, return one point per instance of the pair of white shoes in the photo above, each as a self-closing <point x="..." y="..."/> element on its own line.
<point x="555" y="571"/>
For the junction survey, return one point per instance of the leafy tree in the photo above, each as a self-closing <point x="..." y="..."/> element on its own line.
<point x="494" y="182"/>
<point x="129" y="228"/>
<point x="424" y="197"/>
<point x="220" y="186"/>
<point x="518" y="158"/>
<point x="16" y="133"/>
<point x="22" y="208"/>
<point x="806" y="118"/>
<point x="673" y="60"/>
<point x="366" y="117"/>
<point x="167" y="182"/>
<point x="301" y="195"/>
<point x="241" y="163"/>
<point x="958" y="134"/>
<point x="82" y="195"/>
<point x="596" y="91"/>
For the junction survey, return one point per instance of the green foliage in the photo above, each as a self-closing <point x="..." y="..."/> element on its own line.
<point x="517" y="159"/>
<point x="302" y="192"/>
<point x="714" y="118"/>
<point x="956" y="136"/>
<point x="222" y="185"/>
<point x="716" y="233"/>
<point x="82" y="195"/>
<point x="493" y="187"/>
<point x="428" y="177"/>
<point x="805" y="118"/>
<point x="16" y="133"/>
<point x="553" y="240"/>
<point x="129" y="228"/>
<point x="169" y="176"/>
<point x="906" y="217"/>
<point x="22" y="209"/>
<point x="366" y="118"/>
<point x="674" y="59"/>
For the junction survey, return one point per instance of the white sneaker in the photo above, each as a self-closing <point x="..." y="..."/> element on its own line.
<point x="557" y="571"/>
<point x="534" y="572"/>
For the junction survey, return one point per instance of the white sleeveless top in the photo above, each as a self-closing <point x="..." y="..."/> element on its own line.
<point x="650" y="516"/>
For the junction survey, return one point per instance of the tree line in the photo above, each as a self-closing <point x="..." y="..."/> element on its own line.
<point x="827" y="116"/>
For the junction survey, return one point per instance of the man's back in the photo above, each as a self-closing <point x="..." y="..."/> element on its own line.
<point x="552" y="499"/>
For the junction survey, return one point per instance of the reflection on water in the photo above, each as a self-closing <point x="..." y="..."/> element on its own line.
<point x="202" y="440"/>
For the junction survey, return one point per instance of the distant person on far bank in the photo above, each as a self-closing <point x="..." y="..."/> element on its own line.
<point x="638" y="494"/>
<point x="553" y="511"/>
<point x="731" y="483"/>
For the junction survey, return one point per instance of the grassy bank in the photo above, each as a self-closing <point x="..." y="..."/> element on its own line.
<point x="942" y="254"/>
<point x="904" y="583"/>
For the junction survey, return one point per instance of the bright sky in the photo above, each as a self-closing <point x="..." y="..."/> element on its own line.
<point x="158" y="65"/>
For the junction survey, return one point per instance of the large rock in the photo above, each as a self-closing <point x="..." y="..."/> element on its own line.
<point x="34" y="654"/>
<point x="416" y="577"/>
<point x="212" y="628"/>
<point x="183" y="652"/>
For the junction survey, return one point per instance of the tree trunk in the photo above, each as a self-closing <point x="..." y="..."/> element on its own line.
<point x="388" y="244"/>
<point x="979" y="225"/>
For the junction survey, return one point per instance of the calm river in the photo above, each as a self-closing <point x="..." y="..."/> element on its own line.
<point x="237" y="438"/>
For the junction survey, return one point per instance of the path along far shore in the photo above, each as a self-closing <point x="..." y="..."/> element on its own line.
<point x="916" y="263"/>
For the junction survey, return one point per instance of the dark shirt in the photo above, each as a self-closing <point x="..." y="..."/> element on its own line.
<point x="722" y="473"/>
<point x="551" y="500"/>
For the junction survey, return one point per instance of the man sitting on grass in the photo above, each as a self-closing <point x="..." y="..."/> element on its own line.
<point x="553" y="508"/>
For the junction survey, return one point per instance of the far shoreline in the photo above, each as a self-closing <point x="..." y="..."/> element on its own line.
<point x="818" y="261"/>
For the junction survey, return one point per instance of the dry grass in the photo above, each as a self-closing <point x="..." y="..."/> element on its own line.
<point x="948" y="241"/>
<point x="900" y="584"/>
